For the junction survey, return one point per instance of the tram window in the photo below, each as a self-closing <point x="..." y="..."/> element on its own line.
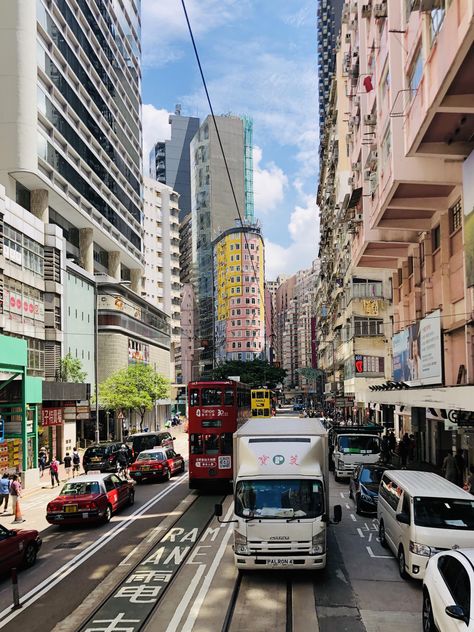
<point x="226" y="443"/>
<point x="194" y="397"/>
<point x="211" y="444"/>
<point x="211" y="396"/>
<point x="229" y="397"/>
<point x="196" y="444"/>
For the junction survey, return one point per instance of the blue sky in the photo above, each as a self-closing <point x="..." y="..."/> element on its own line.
<point x="259" y="58"/>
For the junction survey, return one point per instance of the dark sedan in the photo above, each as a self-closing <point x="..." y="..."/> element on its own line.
<point x="364" y="486"/>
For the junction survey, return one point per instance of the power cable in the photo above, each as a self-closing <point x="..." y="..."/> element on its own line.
<point x="196" y="53"/>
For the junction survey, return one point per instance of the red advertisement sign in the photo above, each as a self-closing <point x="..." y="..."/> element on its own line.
<point x="52" y="417"/>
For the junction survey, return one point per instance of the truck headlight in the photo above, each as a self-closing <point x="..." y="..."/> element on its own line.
<point x="240" y="544"/>
<point x="340" y="464"/>
<point x="318" y="544"/>
<point x="420" y="549"/>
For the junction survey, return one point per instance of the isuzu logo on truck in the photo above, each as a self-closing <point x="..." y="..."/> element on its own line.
<point x="279" y="537"/>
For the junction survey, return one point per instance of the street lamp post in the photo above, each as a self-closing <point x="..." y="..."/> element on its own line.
<point x="96" y="363"/>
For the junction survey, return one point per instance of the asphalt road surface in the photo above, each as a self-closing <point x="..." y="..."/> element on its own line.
<point x="166" y="564"/>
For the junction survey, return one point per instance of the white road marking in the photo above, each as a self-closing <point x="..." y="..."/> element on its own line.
<point x="183" y="604"/>
<point x="45" y="586"/>
<point x="348" y="506"/>
<point x="353" y="517"/>
<point x="372" y="554"/>
<point x="342" y="495"/>
<point x="196" y="607"/>
<point x="359" y="531"/>
<point x="370" y="536"/>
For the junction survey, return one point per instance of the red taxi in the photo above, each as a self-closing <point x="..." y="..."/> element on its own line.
<point x="160" y="463"/>
<point x="90" y="498"/>
<point x="18" y="547"/>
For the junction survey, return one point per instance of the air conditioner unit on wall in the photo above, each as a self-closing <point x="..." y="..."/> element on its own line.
<point x="370" y="119"/>
<point x="380" y="10"/>
<point x="358" y="217"/>
<point x="366" y="10"/>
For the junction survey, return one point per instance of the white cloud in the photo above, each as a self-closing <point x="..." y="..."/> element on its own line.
<point x="303" y="228"/>
<point x="269" y="183"/>
<point x="164" y="27"/>
<point x="155" y="127"/>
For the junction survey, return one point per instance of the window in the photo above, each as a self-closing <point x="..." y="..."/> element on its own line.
<point x="436" y="238"/>
<point x="406" y="505"/>
<point x="368" y="326"/>
<point x="390" y="492"/>
<point x="387" y="145"/>
<point x="455" y="217"/>
<point x="416" y="71"/>
<point x="211" y="396"/>
<point x="437" y="19"/>
<point x="194" y="397"/>
<point x="457" y="581"/>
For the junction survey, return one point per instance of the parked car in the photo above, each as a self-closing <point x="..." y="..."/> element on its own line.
<point x="420" y="514"/>
<point x="448" y="592"/>
<point x="364" y="486"/>
<point x="297" y="407"/>
<point x="160" y="463"/>
<point x="102" y="457"/>
<point x="148" y="441"/>
<point x="90" y="498"/>
<point x="18" y="548"/>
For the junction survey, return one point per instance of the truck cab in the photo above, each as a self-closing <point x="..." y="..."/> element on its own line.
<point x="352" y="446"/>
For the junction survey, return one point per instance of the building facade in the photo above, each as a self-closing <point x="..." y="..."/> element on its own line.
<point x="71" y="157"/>
<point x="170" y="161"/>
<point x="410" y="147"/>
<point x="214" y="209"/>
<point x="239" y="306"/>
<point x="328" y="26"/>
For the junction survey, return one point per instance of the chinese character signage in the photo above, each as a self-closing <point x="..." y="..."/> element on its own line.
<point x="52" y="417"/>
<point x="417" y="352"/>
<point x="370" y="307"/>
<point x="368" y="364"/>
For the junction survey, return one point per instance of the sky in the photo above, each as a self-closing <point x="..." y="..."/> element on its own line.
<point x="259" y="58"/>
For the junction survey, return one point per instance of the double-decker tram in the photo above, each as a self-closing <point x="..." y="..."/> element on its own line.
<point x="262" y="402"/>
<point x="216" y="409"/>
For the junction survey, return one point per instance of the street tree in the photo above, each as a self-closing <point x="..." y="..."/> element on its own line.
<point x="255" y="373"/>
<point x="70" y="370"/>
<point x="136" y="387"/>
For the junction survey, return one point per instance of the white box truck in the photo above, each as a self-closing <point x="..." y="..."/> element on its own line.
<point x="281" y="494"/>
<point x="353" y="445"/>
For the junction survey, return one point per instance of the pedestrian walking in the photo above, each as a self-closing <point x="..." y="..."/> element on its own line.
<point x="76" y="461"/>
<point x="42" y="460"/>
<point x="411" y="448"/>
<point x="449" y="468"/>
<point x="67" y="464"/>
<point x="404" y="449"/>
<point x="122" y="460"/>
<point x="392" y="441"/>
<point x="461" y="467"/>
<point x="385" y="449"/>
<point x="4" y="491"/>
<point x="54" y="471"/>
<point x="15" y="493"/>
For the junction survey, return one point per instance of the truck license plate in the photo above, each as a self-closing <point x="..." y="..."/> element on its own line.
<point x="280" y="562"/>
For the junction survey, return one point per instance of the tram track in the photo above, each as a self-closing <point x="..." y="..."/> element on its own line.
<point x="269" y="596"/>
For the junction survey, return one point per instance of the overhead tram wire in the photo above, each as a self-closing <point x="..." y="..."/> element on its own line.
<point x="191" y="34"/>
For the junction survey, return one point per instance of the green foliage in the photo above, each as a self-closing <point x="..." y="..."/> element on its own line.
<point x="255" y="373"/>
<point x="310" y="373"/>
<point x="135" y="387"/>
<point x="70" y="370"/>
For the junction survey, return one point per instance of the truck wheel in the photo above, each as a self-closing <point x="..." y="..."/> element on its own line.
<point x="401" y="563"/>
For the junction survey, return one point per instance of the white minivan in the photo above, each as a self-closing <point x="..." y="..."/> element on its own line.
<point x="420" y="514"/>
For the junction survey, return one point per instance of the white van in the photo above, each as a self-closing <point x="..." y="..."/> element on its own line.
<point x="420" y="514"/>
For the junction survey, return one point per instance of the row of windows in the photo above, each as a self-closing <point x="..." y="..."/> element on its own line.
<point x="23" y="251"/>
<point x="47" y="152"/>
<point x="240" y="333"/>
<point x="93" y="58"/>
<point x="248" y="345"/>
<point x="237" y="323"/>
<point x="78" y="70"/>
<point x="238" y="312"/>
<point x="132" y="88"/>
<point x="52" y="71"/>
<point x="248" y="301"/>
<point x="60" y="123"/>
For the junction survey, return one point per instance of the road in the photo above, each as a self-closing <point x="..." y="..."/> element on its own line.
<point x="166" y="563"/>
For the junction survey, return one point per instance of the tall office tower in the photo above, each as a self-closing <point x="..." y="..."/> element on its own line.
<point x="239" y="306"/>
<point x="71" y="141"/>
<point x="214" y="209"/>
<point x="170" y="159"/>
<point x="70" y="155"/>
<point x="328" y="27"/>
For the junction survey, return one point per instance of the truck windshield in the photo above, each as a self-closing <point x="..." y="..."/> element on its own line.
<point x="444" y="513"/>
<point x="359" y="444"/>
<point x="279" y="499"/>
